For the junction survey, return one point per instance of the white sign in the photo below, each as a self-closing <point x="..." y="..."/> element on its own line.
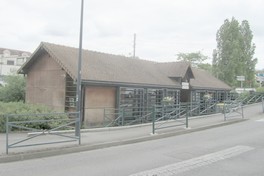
<point x="241" y="78"/>
<point x="185" y="85"/>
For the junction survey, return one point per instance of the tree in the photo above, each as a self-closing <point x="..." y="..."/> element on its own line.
<point x="234" y="55"/>
<point x="14" y="89"/>
<point x="196" y="59"/>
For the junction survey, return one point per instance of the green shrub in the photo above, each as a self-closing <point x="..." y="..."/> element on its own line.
<point x="243" y="96"/>
<point x="14" y="89"/>
<point x="20" y="108"/>
<point x="260" y="89"/>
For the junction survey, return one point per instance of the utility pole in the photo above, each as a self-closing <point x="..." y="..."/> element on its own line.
<point x="134" y="47"/>
<point x="79" y="85"/>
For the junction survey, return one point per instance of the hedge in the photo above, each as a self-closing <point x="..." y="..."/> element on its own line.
<point x="23" y="108"/>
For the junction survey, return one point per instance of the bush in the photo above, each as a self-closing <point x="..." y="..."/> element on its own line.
<point x="22" y="108"/>
<point x="14" y="89"/>
<point x="260" y="89"/>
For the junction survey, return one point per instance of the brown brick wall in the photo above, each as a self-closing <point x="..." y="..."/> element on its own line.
<point x="46" y="83"/>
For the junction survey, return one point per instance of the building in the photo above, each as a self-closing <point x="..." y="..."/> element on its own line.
<point x="260" y="79"/>
<point x="111" y="82"/>
<point x="10" y="61"/>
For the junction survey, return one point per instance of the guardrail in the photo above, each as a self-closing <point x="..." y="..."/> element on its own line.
<point x="128" y="115"/>
<point x="167" y="116"/>
<point x="263" y="104"/>
<point x="232" y="109"/>
<point x="50" y="124"/>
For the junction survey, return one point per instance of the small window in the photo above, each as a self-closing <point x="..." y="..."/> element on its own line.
<point x="20" y="61"/>
<point x="10" y="62"/>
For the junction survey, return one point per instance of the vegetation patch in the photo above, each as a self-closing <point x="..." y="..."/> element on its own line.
<point x="28" y="112"/>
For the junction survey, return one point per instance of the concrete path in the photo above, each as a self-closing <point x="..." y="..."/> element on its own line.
<point x="92" y="139"/>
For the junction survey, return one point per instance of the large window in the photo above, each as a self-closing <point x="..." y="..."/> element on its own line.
<point x="10" y="62"/>
<point x="144" y="98"/>
<point x="138" y="102"/>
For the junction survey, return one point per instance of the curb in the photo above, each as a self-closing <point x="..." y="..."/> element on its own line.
<point x="88" y="147"/>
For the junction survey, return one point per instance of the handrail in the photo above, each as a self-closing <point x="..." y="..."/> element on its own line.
<point x="61" y="124"/>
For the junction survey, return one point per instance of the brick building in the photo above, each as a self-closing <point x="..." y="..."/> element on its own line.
<point x="112" y="81"/>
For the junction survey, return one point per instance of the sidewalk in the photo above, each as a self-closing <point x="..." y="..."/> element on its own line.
<point x="92" y="139"/>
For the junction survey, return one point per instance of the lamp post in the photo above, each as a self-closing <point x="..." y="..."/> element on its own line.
<point x="79" y="86"/>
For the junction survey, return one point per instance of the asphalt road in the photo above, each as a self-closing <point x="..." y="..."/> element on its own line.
<point x="233" y="150"/>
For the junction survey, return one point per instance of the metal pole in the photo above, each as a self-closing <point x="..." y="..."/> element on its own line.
<point x="123" y="115"/>
<point x="153" y="120"/>
<point x="242" y="111"/>
<point x="263" y="104"/>
<point x="187" y="116"/>
<point x="7" y="131"/>
<point x="79" y="72"/>
<point x="224" y="111"/>
<point x="134" y="47"/>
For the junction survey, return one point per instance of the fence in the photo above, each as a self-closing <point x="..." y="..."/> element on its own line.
<point x="123" y="116"/>
<point x="251" y="98"/>
<point x="232" y="109"/>
<point x="169" y="116"/>
<point x="263" y="104"/>
<point x="46" y="124"/>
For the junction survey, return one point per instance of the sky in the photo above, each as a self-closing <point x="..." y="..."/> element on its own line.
<point x="163" y="28"/>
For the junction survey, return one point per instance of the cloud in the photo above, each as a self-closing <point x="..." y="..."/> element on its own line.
<point x="163" y="27"/>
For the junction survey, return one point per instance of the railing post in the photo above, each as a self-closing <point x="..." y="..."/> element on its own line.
<point x="123" y="115"/>
<point x="242" y="109"/>
<point x="224" y="111"/>
<point x="263" y="104"/>
<point x="7" y="131"/>
<point x="153" y="119"/>
<point x="104" y="123"/>
<point x="187" y="116"/>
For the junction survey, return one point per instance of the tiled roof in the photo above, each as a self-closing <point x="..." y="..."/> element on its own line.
<point x="204" y="80"/>
<point x="102" y="67"/>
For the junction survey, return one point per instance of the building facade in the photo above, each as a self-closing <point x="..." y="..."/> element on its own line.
<point x="11" y="61"/>
<point x="111" y="83"/>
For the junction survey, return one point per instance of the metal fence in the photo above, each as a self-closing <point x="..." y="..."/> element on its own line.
<point x="124" y="116"/>
<point x="233" y="109"/>
<point x="54" y="124"/>
<point x="169" y="116"/>
<point x="263" y="104"/>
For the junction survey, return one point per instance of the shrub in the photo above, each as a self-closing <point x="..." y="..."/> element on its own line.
<point x="14" y="89"/>
<point x="260" y="89"/>
<point x="22" y="108"/>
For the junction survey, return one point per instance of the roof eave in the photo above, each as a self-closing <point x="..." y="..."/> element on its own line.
<point x="210" y="88"/>
<point x="95" y="82"/>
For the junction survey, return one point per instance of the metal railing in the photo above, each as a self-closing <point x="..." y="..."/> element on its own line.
<point x="167" y="116"/>
<point x="233" y="109"/>
<point x="128" y="115"/>
<point x="263" y="104"/>
<point x="124" y="116"/>
<point x="251" y="98"/>
<point x="50" y="124"/>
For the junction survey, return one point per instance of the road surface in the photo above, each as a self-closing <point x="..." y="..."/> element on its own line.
<point x="233" y="150"/>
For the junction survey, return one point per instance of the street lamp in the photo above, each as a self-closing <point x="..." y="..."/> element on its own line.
<point x="79" y="86"/>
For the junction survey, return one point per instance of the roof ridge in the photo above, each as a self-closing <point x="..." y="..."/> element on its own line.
<point x="99" y="52"/>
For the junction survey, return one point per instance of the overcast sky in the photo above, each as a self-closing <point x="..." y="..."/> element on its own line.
<point x="163" y="27"/>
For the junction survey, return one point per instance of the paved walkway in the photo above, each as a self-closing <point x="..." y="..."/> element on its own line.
<point x="106" y="137"/>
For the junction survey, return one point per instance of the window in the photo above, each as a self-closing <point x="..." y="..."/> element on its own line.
<point x="10" y="62"/>
<point x="20" y="61"/>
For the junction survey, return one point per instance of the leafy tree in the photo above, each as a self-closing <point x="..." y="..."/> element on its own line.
<point x="14" y="89"/>
<point x="196" y="59"/>
<point x="234" y="55"/>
